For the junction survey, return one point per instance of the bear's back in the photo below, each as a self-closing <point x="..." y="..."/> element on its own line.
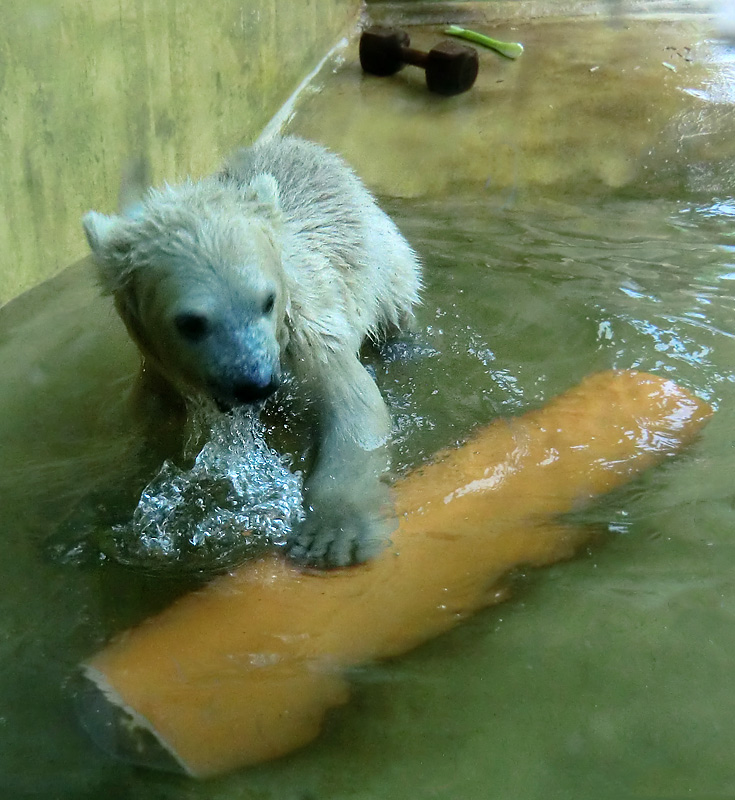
<point x="320" y="196"/>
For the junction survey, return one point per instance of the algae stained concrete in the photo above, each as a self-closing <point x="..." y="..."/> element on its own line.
<point x="637" y="104"/>
<point x="85" y="86"/>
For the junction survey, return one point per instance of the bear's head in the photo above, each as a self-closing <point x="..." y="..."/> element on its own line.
<point x="196" y="274"/>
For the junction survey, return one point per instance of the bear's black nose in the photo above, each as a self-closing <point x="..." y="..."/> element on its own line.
<point x="252" y="392"/>
<point x="242" y="392"/>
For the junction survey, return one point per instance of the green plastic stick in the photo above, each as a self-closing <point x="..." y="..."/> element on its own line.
<point x="507" y="49"/>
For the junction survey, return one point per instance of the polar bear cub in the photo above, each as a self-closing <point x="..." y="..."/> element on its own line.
<point x="282" y="261"/>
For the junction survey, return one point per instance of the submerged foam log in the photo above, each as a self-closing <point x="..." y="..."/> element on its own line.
<point x="245" y="669"/>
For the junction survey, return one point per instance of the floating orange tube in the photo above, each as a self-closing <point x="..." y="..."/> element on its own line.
<point x="245" y="669"/>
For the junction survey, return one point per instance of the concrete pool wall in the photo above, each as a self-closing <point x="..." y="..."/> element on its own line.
<point x="86" y="86"/>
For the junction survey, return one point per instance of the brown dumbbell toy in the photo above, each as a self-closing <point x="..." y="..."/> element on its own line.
<point x="451" y="68"/>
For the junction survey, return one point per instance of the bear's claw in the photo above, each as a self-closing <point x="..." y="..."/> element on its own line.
<point x="338" y="540"/>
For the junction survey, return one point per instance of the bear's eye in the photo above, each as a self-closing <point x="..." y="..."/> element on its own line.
<point x="192" y="326"/>
<point x="269" y="303"/>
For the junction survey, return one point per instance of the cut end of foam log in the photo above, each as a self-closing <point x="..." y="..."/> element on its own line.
<point x="244" y="670"/>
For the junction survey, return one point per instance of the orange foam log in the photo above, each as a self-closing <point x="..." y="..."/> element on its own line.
<point x="245" y="669"/>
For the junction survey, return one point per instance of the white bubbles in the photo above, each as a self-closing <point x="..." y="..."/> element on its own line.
<point x="238" y="497"/>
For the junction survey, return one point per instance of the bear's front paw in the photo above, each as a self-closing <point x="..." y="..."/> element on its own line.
<point x="336" y="533"/>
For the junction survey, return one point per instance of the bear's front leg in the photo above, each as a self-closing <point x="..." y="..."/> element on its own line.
<point x="349" y="513"/>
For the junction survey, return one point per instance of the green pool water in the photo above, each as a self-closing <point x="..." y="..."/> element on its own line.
<point x="609" y="676"/>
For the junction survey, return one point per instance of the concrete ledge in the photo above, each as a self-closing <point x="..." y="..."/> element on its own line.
<point x="634" y="103"/>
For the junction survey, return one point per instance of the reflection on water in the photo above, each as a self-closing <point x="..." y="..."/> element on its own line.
<point x="524" y="301"/>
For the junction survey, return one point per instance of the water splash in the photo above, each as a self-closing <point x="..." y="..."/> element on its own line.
<point x="239" y="497"/>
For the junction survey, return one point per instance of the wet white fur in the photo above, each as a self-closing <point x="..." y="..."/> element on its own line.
<point x="286" y="213"/>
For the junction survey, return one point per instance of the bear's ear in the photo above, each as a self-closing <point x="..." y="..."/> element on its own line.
<point x="263" y="190"/>
<point x="99" y="229"/>
<point x="110" y="244"/>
